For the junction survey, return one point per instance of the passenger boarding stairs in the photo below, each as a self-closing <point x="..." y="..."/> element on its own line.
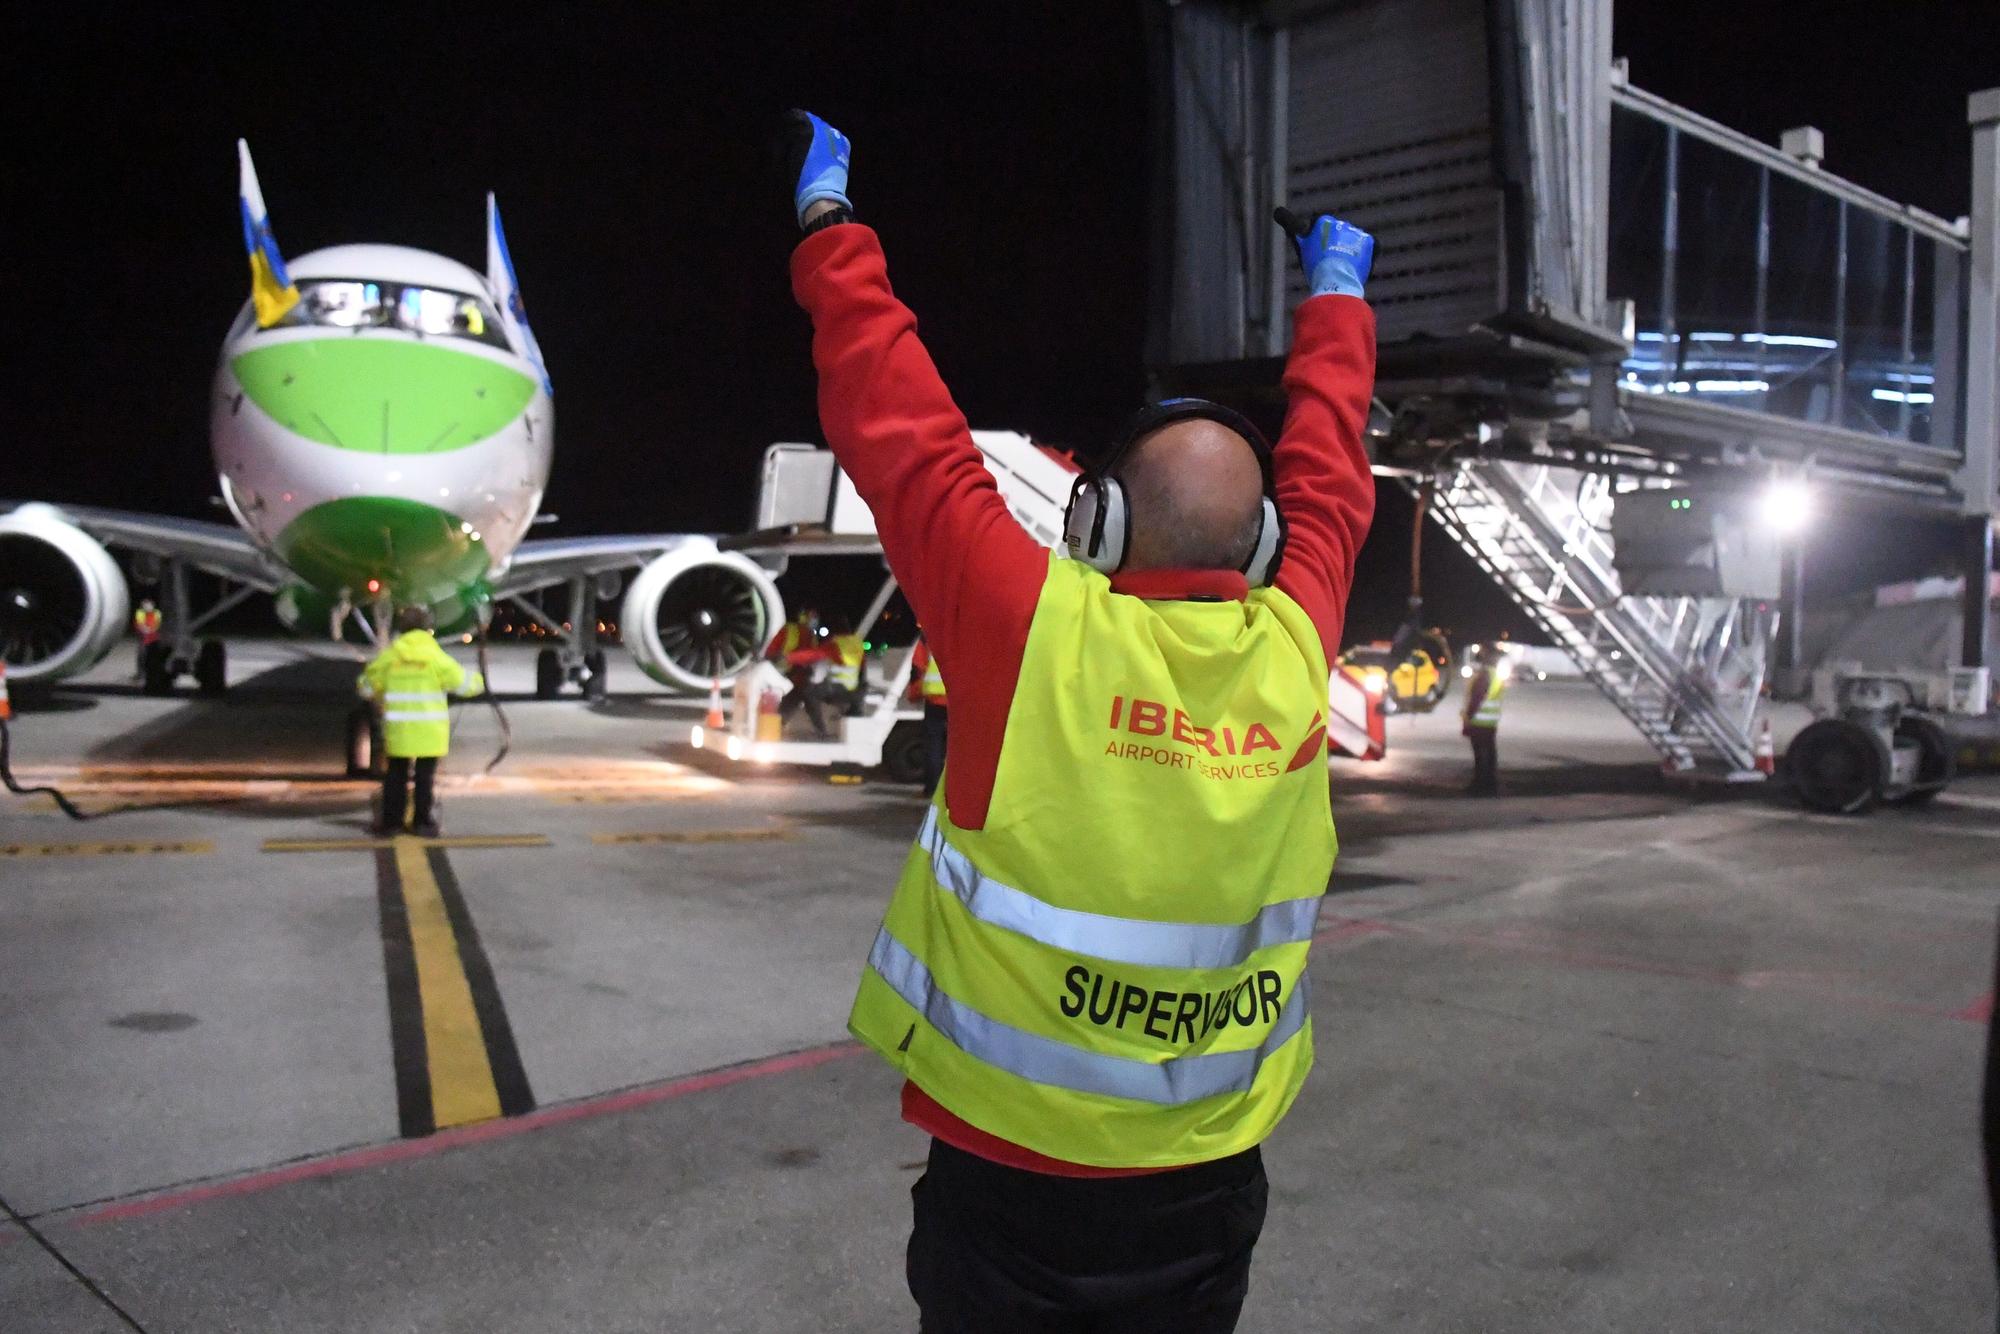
<point x="1687" y="671"/>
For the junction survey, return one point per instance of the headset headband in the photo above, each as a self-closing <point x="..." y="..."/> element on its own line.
<point x="1096" y="522"/>
<point x="1170" y="410"/>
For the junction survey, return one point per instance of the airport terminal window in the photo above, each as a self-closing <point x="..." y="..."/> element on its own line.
<point x="351" y="303"/>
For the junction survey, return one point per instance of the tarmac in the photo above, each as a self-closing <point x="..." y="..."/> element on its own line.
<point x="1604" y="1053"/>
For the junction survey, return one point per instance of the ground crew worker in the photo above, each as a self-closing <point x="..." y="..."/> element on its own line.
<point x="801" y="631"/>
<point x="1480" y="717"/>
<point x="797" y="639"/>
<point x="408" y="681"/>
<point x="842" y="651"/>
<point x="146" y="624"/>
<point x="927" y="685"/>
<point x="1092" y="972"/>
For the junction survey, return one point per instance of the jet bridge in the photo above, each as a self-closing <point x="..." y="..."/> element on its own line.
<point x="1584" y="295"/>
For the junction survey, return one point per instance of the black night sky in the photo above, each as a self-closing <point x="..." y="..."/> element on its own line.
<point x="999" y="148"/>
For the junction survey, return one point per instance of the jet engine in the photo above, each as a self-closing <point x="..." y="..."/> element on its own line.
<point x="699" y="614"/>
<point x="63" y="600"/>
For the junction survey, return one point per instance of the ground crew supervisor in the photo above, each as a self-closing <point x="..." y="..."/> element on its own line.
<point x="1092" y="971"/>
<point x="409" y="680"/>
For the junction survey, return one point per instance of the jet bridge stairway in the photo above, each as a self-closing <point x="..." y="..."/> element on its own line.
<point x="1686" y="671"/>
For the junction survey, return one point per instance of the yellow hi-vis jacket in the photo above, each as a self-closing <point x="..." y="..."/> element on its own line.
<point x="1487" y="712"/>
<point x="410" y="679"/>
<point x="1112" y="970"/>
<point x="933" y="680"/>
<point x="845" y="671"/>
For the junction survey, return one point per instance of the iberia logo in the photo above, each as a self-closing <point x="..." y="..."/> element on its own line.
<point x="1173" y="740"/>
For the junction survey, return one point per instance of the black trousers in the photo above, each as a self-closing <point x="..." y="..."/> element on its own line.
<point x="999" y="1250"/>
<point x="395" y="786"/>
<point x="813" y="698"/>
<point x="1485" y="760"/>
<point x="934" y="735"/>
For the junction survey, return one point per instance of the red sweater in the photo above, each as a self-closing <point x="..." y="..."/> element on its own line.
<point x="972" y="574"/>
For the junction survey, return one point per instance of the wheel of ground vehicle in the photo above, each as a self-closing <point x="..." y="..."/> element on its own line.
<point x="1838" y="767"/>
<point x="548" y="674"/>
<point x="364" y="744"/>
<point x="598" y="684"/>
<point x="158" y="674"/>
<point x="1936" y="764"/>
<point x="903" y="752"/>
<point x="211" y="667"/>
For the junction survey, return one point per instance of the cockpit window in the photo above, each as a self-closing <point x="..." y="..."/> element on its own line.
<point x="352" y="303"/>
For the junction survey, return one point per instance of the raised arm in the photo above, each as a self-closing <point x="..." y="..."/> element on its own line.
<point x="969" y="570"/>
<point x="893" y="426"/>
<point x="1325" y="490"/>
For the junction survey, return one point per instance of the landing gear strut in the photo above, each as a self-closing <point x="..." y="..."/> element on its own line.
<point x="576" y="658"/>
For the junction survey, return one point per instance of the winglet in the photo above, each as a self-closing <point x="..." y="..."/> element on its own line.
<point x="271" y="288"/>
<point x="507" y="288"/>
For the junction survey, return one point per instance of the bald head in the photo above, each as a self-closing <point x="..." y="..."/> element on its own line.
<point x="1195" y="489"/>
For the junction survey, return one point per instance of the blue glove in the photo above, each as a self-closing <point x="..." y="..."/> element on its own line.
<point x="1335" y="255"/>
<point x="819" y="155"/>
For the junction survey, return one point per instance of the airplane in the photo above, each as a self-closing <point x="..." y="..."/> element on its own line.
<point x="382" y="426"/>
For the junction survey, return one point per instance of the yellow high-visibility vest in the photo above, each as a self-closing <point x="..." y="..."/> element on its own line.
<point x="933" y="686"/>
<point x="1112" y="970"/>
<point x="410" y="679"/>
<point x="1487" y="714"/>
<point x="845" y="670"/>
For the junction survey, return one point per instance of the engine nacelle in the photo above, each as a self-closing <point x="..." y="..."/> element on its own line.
<point x="63" y="600"/>
<point x="699" y="614"/>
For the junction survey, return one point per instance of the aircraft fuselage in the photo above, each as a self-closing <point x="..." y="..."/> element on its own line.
<point x="390" y="439"/>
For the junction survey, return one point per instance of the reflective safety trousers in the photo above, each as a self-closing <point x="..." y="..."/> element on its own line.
<point x="410" y="679"/>
<point x="1112" y="970"/>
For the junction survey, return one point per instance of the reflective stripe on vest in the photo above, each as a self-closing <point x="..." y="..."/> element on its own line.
<point x="1112" y="939"/>
<point x="933" y="680"/>
<point x="1045" y="1061"/>
<point x="1488" y="712"/>
<point x="1110" y="969"/>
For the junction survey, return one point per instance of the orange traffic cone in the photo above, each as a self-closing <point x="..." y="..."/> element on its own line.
<point x="714" y="720"/>
<point x="6" y="708"/>
<point x="1767" y="756"/>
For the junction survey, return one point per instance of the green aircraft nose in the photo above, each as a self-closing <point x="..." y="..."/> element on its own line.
<point x="383" y="395"/>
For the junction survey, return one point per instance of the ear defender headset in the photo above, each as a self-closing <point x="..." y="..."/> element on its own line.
<point x="1097" y="525"/>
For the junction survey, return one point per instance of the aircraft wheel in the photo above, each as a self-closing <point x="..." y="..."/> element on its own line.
<point x="598" y="684"/>
<point x="211" y="667"/>
<point x="548" y="674"/>
<point x="1838" y="767"/>
<point x="903" y="753"/>
<point x="157" y="669"/>
<point x="364" y="744"/>
<point x="1936" y="764"/>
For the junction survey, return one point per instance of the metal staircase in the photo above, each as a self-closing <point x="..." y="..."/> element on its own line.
<point x="1687" y="671"/>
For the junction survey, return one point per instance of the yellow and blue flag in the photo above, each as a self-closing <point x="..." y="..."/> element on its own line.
<point x="271" y="287"/>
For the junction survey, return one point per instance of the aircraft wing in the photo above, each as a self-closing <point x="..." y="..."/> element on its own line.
<point x="551" y="561"/>
<point x="219" y="548"/>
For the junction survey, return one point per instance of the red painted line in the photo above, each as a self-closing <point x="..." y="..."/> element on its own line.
<point x="1979" y="1011"/>
<point x="403" y="1150"/>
